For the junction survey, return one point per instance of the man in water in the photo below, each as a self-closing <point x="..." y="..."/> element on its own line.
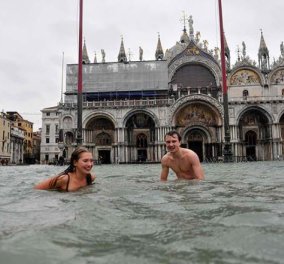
<point x="184" y="162"/>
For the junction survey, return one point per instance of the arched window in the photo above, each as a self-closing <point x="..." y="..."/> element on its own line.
<point x="103" y="139"/>
<point x="67" y="122"/>
<point x="141" y="141"/>
<point x="69" y="138"/>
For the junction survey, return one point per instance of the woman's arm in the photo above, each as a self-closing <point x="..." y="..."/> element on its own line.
<point x="57" y="182"/>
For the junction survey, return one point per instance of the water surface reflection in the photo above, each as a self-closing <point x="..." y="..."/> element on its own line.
<point x="129" y="216"/>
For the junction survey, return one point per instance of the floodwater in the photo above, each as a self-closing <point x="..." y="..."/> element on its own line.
<point x="128" y="216"/>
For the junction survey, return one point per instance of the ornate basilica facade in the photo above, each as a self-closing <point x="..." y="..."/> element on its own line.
<point x="129" y="106"/>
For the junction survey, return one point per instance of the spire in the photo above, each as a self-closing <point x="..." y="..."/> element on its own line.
<point x="95" y="58"/>
<point x="184" y="37"/>
<point x="263" y="54"/>
<point x="122" y="55"/>
<point x="159" y="51"/>
<point x="85" y="57"/>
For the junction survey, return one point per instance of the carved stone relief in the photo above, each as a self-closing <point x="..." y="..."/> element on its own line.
<point x="278" y="77"/>
<point x="198" y="97"/>
<point x="244" y="77"/>
<point x="196" y="113"/>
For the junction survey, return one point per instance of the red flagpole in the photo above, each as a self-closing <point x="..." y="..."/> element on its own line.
<point x="223" y="61"/>
<point x="80" y="85"/>
<point x="227" y="145"/>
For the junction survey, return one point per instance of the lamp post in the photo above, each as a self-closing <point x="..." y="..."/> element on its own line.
<point x="227" y="145"/>
<point x="79" y="93"/>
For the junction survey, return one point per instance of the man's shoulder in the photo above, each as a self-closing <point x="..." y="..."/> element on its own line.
<point x="188" y="152"/>
<point x="166" y="158"/>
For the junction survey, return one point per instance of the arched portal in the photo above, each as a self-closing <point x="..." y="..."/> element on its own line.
<point x="196" y="139"/>
<point x="200" y="126"/>
<point x="140" y="135"/>
<point x="99" y="135"/>
<point x="255" y="133"/>
<point x="250" y="142"/>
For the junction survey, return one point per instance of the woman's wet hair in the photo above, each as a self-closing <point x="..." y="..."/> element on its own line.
<point x="172" y="133"/>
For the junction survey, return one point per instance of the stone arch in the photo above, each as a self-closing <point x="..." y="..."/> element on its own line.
<point x="69" y="138"/>
<point x="245" y="76"/>
<point x="280" y="116"/>
<point x="203" y="100"/>
<point x="197" y="138"/>
<point x="99" y="129"/>
<point x="257" y="122"/>
<point x="194" y="77"/>
<point x="101" y="114"/>
<point x="199" y="119"/>
<point x="276" y="76"/>
<point x="67" y="122"/>
<point x="140" y="134"/>
<point x="256" y="108"/>
<point x="133" y="112"/>
<point x="200" y="127"/>
<point x="197" y="60"/>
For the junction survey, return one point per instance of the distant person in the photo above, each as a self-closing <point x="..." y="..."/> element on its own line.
<point x="61" y="161"/>
<point x="184" y="162"/>
<point x="77" y="175"/>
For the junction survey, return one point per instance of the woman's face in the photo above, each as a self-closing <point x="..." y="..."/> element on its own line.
<point x="85" y="162"/>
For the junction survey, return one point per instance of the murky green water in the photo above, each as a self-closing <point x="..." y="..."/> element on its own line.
<point x="235" y="216"/>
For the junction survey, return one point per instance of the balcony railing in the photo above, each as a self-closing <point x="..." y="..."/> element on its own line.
<point x="254" y="99"/>
<point x="122" y="103"/>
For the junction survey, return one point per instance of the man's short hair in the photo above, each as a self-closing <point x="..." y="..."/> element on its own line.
<point x="172" y="133"/>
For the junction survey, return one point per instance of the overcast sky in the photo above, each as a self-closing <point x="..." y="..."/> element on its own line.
<point x="35" y="33"/>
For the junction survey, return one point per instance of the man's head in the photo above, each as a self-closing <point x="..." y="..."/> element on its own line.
<point x="172" y="139"/>
<point x="172" y="133"/>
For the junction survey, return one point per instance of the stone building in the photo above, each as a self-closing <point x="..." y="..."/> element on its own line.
<point x="5" y="139"/>
<point x="21" y="125"/>
<point x="49" y="149"/>
<point x="17" y="145"/>
<point x="129" y="106"/>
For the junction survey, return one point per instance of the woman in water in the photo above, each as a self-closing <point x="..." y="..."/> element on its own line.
<point x="77" y="175"/>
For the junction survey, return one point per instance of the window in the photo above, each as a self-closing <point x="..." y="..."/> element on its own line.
<point x="103" y="139"/>
<point x="47" y="140"/>
<point x="245" y="93"/>
<point x="141" y="141"/>
<point x="47" y="129"/>
<point x="47" y="114"/>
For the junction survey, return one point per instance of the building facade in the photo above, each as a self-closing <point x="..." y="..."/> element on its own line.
<point x="19" y="123"/>
<point x="5" y="137"/>
<point x="17" y="145"/>
<point x="49" y="148"/>
<point x="129" y="106"/>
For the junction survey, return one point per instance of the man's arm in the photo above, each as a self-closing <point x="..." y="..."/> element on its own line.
<point x="165" y="171"/>
<point x="197" y="168"/>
